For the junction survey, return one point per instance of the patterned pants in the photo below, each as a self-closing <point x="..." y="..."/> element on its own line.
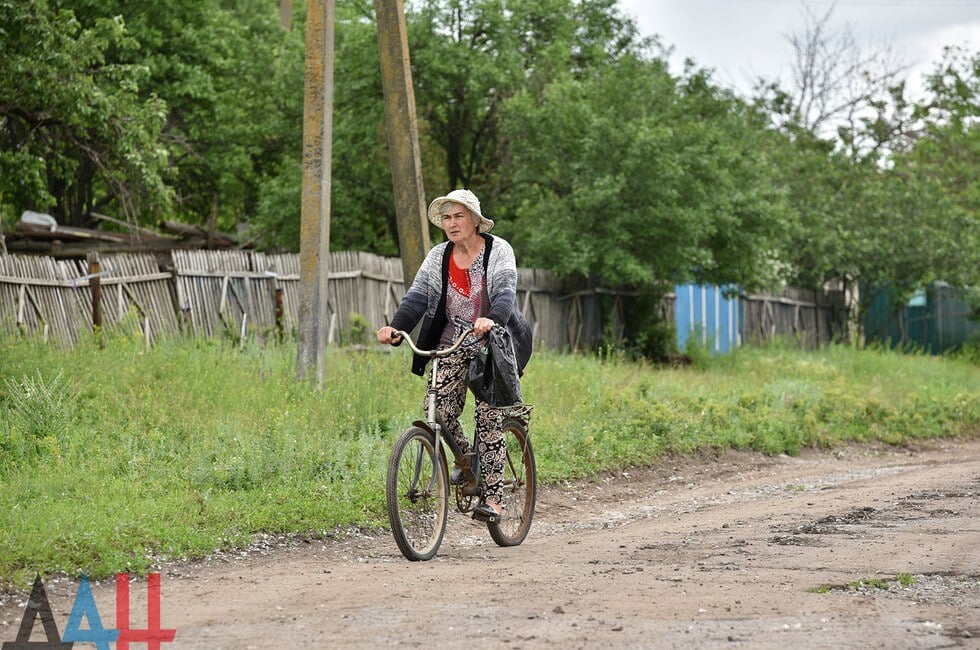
<point x="450" y="398"/>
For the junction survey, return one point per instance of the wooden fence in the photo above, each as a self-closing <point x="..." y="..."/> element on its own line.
<point x="50" y="298"/>
<point x="811" y="318"/>
<point x="245" y="294"/>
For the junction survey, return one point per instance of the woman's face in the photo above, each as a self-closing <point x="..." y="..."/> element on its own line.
<point x="458" y="222"/>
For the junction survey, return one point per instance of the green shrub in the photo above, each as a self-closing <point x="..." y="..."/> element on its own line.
<point x="358" y="330"/>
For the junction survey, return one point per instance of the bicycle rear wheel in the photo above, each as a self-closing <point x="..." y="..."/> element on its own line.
<point x="417" y="492"/>
<point x="520" y="487"/>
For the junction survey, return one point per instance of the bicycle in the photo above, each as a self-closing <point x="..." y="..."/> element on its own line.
<point x="417" y="485"/>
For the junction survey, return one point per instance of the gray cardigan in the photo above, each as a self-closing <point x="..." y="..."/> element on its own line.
<point x="426" y="299"/>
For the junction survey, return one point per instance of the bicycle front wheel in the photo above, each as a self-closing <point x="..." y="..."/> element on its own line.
<point x="417" y="491"/>
<point x="520" y="487"/>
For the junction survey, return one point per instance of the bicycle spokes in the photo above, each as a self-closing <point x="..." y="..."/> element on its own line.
<point x="520" y="487"/>
<point x="417" y="492"/>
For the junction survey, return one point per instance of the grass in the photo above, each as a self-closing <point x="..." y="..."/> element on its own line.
<point x="869" y="583"/>
<point x="120" y="458"/>
<point x="901" y="581"/>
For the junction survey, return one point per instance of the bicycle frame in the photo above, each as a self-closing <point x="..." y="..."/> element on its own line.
<point x="431" y="419"/>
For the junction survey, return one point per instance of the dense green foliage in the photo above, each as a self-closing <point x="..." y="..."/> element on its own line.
<point x="184" y="109"/>
<point x="119" y="458"/>
<point x="596" y="160"/>
<point x="76" y="130"/>
<point x="661" y="180"/>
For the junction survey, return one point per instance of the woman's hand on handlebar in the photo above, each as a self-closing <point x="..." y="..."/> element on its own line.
<point x="388" y="334"/>
<point x="482" y="326"/>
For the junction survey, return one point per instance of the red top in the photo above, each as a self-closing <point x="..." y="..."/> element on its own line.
<point x="459" y="279"/>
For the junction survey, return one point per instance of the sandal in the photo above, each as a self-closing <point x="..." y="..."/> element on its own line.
<point x="486" y="512"/>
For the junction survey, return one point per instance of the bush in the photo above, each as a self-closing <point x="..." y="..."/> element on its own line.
<point x="655" y="338"/>
<point x="969" y="351"/>
<point x="357" y="331"/>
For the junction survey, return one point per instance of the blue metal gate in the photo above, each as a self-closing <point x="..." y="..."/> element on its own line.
<point x="709" y="315"/>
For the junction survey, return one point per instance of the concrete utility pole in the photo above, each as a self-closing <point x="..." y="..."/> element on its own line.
<point x="314" y="252"/>
<point x="403" y="135"/>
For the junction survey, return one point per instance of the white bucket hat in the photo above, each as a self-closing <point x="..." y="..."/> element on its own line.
<point x="465" y="198"/>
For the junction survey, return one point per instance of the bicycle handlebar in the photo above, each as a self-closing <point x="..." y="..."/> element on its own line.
<point x="435" y="354"/>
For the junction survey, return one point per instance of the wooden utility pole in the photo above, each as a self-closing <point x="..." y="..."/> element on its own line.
<point x="314" y="252"/>
<point x="403" y="135"/>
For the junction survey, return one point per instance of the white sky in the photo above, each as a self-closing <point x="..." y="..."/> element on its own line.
<point x="744" y="39"/>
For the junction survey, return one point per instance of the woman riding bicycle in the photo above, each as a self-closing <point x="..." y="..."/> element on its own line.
<point x="470" y="280"/>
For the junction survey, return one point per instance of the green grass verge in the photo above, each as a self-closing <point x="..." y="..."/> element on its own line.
<point x="118" y="458"/>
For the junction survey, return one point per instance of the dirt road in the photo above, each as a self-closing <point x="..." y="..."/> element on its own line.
<point x="734" y="551"/>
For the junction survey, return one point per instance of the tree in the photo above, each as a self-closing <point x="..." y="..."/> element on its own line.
<point x="835" y="83"/>
<point x="468" y="57"/>
<point x="232" y="79"/>
<point x="899" y="212"/>
<point x="183" y="109"/>
<point x="362" y="214"/>
<point x="225" y="80"/>
<point x="629" y="176"/>
<point x="78" y="130"/>
<point x="363" y="201"/>
<point x="935" y="185"/>
<point x="471" y="56"/>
